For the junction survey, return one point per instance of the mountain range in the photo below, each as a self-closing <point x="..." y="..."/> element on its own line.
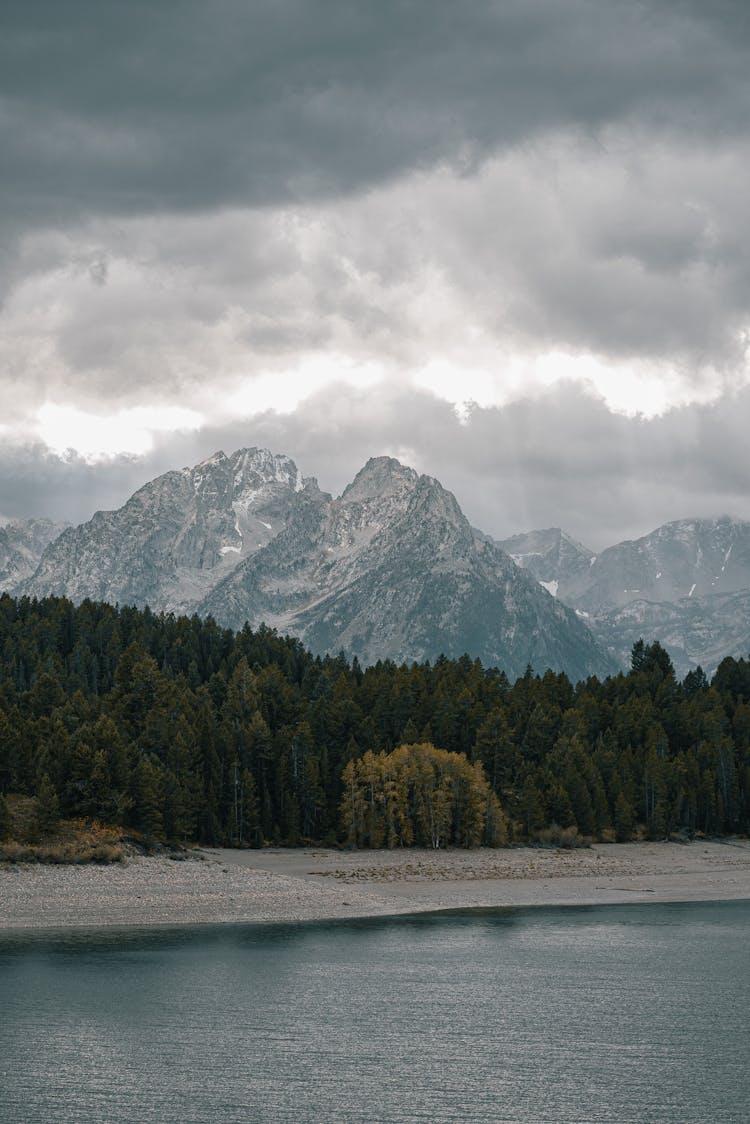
<point x="686" y="584"/>
<point x="391" y="569"/>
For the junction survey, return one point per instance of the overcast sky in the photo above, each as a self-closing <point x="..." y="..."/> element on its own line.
<point x="506" y="241"/>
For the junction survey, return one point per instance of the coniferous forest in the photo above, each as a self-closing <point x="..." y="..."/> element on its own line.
<point x="180" y="730"/>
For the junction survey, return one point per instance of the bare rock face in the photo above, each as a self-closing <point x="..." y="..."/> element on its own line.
<point x="552" y="556"/>
<point x="686" y="584"/>
<point x="694" y="630"/>
<point x="393" y="570"/>
<point x="22" y="543"/>
<point x="389" y="570"/>
<point x="176" y="537"/>
<point x="687" y="558"/>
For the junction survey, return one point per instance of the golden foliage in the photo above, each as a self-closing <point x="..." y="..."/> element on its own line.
<point x="419" y="795"/>
<point x="67" y="841"/>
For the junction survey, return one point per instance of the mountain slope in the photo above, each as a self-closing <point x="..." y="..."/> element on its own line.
<point x="175" y="537"/>
<point x="22" y="543"/>
<point x="686" y="584"/>
<point x="551" y="556"/>
<point x="694" y="630"/>
<point x="399" y="573"/>
<point x="389" y="570"/>
<point x="686" y="558"/>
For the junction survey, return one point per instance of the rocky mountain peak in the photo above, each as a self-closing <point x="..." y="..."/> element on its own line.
<point x="431" y="502"/>
<point x="175" y="538"/>
<point x="683" y="559"/>
<point x="382" y="478"/>
<point x="553" y="556"/>
<point x="254" y="468"/>
<point x="217" y="458"/>
<point x="391" y="569"/>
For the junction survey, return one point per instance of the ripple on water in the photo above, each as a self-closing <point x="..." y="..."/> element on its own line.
<point x="596" y="1014"/>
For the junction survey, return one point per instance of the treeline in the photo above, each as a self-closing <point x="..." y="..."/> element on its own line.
<point x="180" y="729"/>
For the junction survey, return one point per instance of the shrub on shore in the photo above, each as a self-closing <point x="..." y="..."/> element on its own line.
<point x="61" y="853"/>
<point x="30" y="833"/>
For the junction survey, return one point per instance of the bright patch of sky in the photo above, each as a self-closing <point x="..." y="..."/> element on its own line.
<point x="66" y="429"/>
<point x="285" y="391"/>
<point x="629" y="389"/>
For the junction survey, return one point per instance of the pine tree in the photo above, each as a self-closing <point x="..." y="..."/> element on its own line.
<point x="47" y="806"/>
<point x="250" y="832"/>
<point x="147" y="813"/>
<point x="530" y="808"/>
<point x="624" y="819"/>
<point x="496" y="749"/>
<point x="5" y="819"/>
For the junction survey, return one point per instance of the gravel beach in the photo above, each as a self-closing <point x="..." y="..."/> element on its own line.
<point x="276" y="885"/>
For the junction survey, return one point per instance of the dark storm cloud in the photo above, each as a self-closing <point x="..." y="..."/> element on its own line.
<point x="142" y="107"/>
<point x="595" y="156"/>
<point x="196" y="197"/>
<point x="620" y="255"/>
<point x="563" y="460"/>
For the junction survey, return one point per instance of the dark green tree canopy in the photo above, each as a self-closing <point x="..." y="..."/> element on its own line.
<point x="174" y="727"/>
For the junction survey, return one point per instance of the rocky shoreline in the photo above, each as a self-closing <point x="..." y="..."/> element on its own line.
<point x="275" y="885"/>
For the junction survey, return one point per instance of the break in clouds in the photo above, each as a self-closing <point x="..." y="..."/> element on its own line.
<point x="563" y="460"/>
<point x="486" y="241"/>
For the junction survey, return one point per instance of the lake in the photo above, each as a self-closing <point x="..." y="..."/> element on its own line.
<point x="586" y="1014"/>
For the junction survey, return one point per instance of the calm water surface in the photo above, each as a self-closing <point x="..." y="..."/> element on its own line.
<point x="622" y="1013"/>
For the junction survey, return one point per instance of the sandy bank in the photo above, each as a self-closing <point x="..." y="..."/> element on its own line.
<point x="312" y="884"/>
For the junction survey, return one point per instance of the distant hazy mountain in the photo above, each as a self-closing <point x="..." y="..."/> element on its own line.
<point x="694" y="630"/>
<point x="687" y="558"/>
<point x="391" y="569"/>
<point x="552" y="556"/>
<point x="22" y="544"/>
<point x="685" y="584"/>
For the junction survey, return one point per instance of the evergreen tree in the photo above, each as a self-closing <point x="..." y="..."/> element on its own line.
<point x="624" y="821"/>
<point x="5" y="819"/>
<point x="147" y="812"/>
<point x="47" y="806"/>
<point x="146" y="720"/>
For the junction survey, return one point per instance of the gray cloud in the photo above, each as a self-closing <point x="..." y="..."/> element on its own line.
<point x="35" y="483"/>
<point x="634" y="254"/>
<point x="126" y="109"/>
<point x="204" y="189"/>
